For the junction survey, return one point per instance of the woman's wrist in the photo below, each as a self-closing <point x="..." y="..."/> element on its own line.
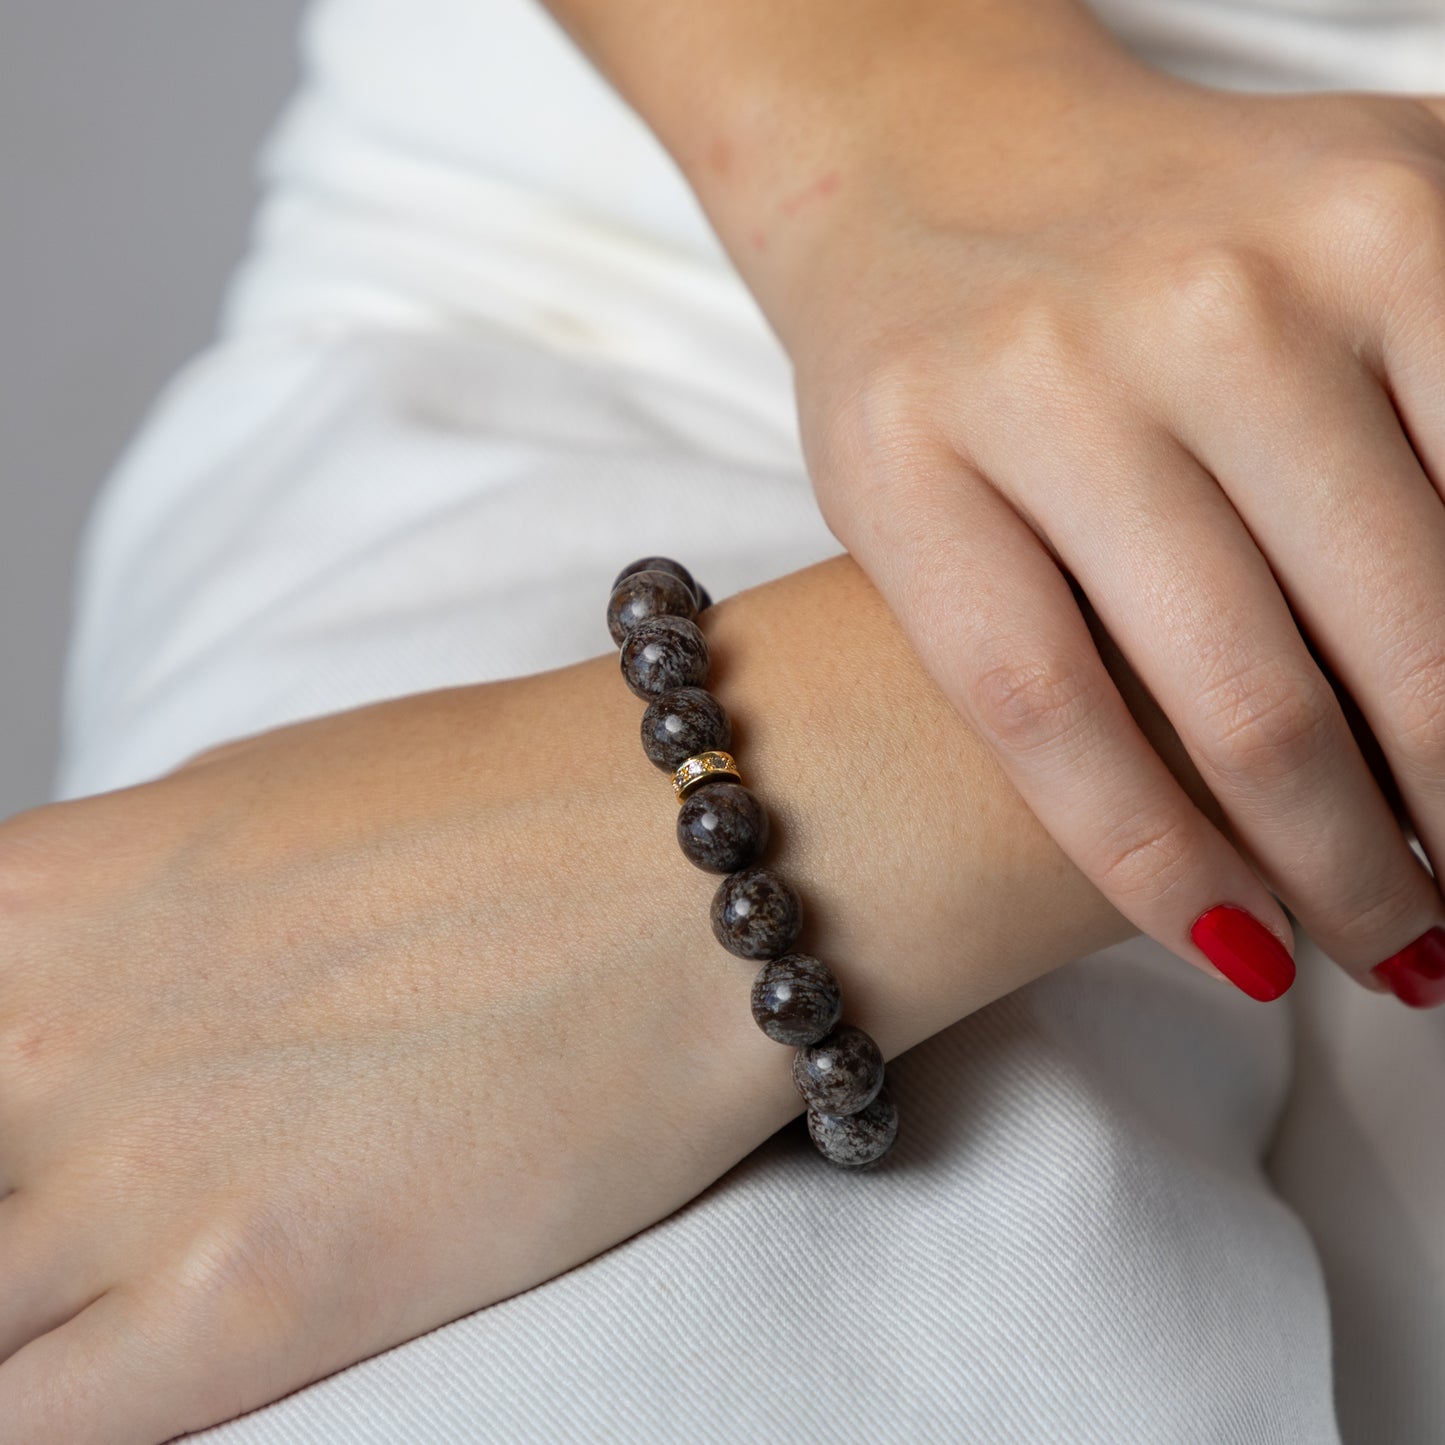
<point x="927" y="884"/>
<point x="795" y="124"/>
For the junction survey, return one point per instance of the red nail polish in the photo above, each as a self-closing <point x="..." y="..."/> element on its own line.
<point x="1244" y="951"/>
<point x="1416" y="975"/>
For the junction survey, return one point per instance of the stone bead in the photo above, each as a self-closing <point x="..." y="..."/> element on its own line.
<point x="841" y="1073"/>
<point x="755" y="913"/>
<point x="721" y="827"/>
<point x="858" y="1140"/>
<point x="662" y="564"/>
<point x="796" y="999"/>
<point x="647" y="594"/>
<point x="661" y="653"/>
<point x="682" y="723"/>
<point x="704" y="600"/>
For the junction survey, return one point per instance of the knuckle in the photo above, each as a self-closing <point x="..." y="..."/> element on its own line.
<point x="1228" y="294"/>
<point x="233" y="1275"/>
<point x="1041" y="355"/>
<point x="1391" y="906"/>
<point x="1032" y="703"/>
<point x="1380" y="206"/>
<point x="870" y="424"/>
<point x="1145" y="862"/>
<point x="1416" y="712"/>
<point x="1265" y="723"/>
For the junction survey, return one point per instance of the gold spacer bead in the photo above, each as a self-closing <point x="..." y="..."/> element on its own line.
<point x="694" y="770"/>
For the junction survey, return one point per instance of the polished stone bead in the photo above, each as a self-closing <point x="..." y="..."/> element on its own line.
<point x="682" y="723"/>
<point x="796" y="999"/>
<point x="858" y="1140"/>
<point x="755" y="913"/>
<point x="662" y="564"/>
<point x="661" y="653"/>
<point x="841" y="1073"/>
<point x="647" y="594"/>
<point x="704" y="601"/>
<point x="722" y="827"/>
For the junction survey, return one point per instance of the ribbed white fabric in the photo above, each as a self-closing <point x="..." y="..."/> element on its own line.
<point x="483" y="352"/>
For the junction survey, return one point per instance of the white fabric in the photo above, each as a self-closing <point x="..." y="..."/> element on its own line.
<point x="482" y="352"/>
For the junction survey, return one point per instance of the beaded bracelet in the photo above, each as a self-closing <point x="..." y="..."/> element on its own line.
<point x="722" y="828"/>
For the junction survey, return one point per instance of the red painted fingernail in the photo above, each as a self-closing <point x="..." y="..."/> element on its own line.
<point x="1416" y="975"/>
<point x="1244" y="951"/>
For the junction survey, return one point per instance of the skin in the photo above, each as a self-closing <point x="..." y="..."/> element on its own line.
<point x="1057" y="318"/>
<point x="351" y="1028"/>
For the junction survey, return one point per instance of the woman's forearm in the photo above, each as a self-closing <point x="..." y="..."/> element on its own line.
<point x="355" y="1026"/>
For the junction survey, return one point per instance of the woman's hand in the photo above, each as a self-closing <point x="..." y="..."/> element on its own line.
<point x="348" y="1029"/>
<point x="1176" y="345"/>
<point x="1059" y="318"/>
<point x="332" y="1037"/>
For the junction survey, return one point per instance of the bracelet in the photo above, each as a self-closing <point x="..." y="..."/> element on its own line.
<point x="722" y="828"/>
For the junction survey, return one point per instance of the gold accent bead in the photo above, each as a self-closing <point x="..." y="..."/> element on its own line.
<point x="702" y="766"/>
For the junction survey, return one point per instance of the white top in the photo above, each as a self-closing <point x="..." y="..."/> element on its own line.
<point x="460" y="158"/>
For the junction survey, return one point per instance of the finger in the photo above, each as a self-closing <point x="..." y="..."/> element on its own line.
<point x="1355" y="533"/>
<point x="993" y="620"/>
<point x="91" y="1380"/>
<point x="1220" y="651"/>
<point x="46" y="1276"/>
<point x="145" y="1363"/>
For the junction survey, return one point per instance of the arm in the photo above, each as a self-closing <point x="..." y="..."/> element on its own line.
<point x="296" y="1018"/>
<point x="1045" y="332"/>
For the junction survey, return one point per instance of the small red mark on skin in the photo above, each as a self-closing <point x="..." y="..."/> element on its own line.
<point x="815" y="192"/>
<point x="759" y="241"/>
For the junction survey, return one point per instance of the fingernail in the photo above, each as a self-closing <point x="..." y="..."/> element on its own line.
<point x="1244" y="951"/>
<point x="1416" y="975"/>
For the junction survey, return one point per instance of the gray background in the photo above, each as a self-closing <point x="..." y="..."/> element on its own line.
<point x="127" y="141"/>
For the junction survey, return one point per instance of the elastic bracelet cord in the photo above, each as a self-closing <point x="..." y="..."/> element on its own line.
<point x="722" y="828"/>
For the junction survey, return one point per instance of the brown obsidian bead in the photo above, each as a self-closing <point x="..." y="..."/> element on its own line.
<point x="841" y="1073"/>
<point x="663" y="564"/>
<point x="647" y="594"/>
<point x="661" y="653"/>
<point x="755" y="913"/>
<point x="796" y="999"/>
<point x="858" y="1140"/>
<point x="682" y="723"/>
<point x="721" y="827"/>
